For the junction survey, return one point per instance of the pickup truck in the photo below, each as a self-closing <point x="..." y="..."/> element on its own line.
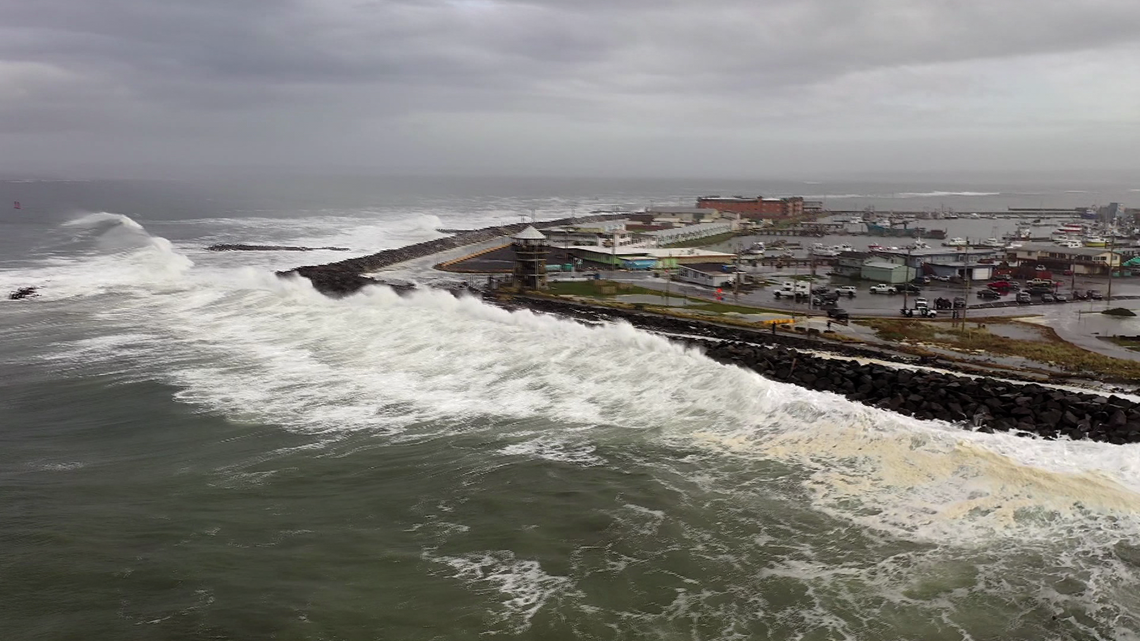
<point x="922" y="312"/>
<point x="883" y="289"/>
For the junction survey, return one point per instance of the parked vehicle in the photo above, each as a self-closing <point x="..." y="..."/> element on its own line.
<point x="1003" y="286"/>
<point x="838" y="313"/>
<point x="1024" y="297"/>
<point x="988" y="294"/>
<point x="846" y="290"/>
<point x="944" y="279"/>
<point x="1047" y="298"/>
<point x="1060" y="298"/>
<point x="942" y="303"/>
<point x="922" y="312"/>
<point x="819" y="289"/>
<point x="908" y="288"/>
<point x="921" y="280"/>
<point x="959" y="302"/>
<point x="883" y="289"/>
<point x="1079" y="295"/>
<point x="921" y="302"/>
<point x="1095" y="295"/>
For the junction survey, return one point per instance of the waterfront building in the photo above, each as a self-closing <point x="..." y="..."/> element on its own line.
<point x="649" y="257"/>
<point x="690" y="232"/>
<point x="708" y="274"/>
<point x="1082" y="260"/>
<point x="754" y="208"/>
<point x="884" y="271"/>
<point x="850" y="263"/>
<point x="951" y="262"/>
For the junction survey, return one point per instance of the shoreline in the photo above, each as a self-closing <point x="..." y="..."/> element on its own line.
<point x="973" y="397"/>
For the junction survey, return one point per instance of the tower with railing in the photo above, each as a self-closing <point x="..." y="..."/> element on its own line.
<point x="531" y="248"/>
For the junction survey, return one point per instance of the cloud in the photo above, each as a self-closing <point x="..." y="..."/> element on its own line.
<point x="453" y="83"/>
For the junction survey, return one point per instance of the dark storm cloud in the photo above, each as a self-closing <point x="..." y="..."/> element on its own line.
<point x="242" y="73"/>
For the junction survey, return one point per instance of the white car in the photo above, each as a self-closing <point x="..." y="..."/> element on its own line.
<point x="883" y="289"/>
<point x="846" y="290"/>
<point x="921" y="302"/>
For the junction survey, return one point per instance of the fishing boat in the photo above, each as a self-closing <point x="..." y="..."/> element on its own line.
<point x="1095" y="241"/>
<point x="991" y="242"/>
<point x="957" y="242"/>
<point x="818" y="249"/>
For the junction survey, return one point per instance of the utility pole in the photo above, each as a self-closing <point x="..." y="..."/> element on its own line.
<point x="906" y="272"/>
<point x="614" y="252"/>
<point x="969" y="276"/>
<point x="1111" y="253"/>
<point x="736" y="276"/>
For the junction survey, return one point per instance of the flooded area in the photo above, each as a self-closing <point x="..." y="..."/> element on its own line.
<point x="1017" y="331"/>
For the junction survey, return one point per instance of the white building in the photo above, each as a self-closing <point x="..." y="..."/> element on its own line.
<point x="708" y="274"/>
<point x="691" y="232"/>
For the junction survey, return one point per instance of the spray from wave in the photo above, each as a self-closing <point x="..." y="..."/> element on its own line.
<point x="254" y="348"/>
<point x="247" y="344"/>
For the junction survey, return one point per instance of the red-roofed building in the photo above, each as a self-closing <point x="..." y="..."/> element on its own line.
<point x="754" y="208"/>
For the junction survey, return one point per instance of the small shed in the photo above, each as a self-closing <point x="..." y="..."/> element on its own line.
<point x="708" y="274"/>
<point x="881" y="271"/>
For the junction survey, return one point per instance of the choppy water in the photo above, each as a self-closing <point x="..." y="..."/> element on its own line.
<point x="191" y="448"/>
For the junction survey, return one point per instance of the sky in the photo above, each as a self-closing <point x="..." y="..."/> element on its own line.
<point x="728" y="88"/>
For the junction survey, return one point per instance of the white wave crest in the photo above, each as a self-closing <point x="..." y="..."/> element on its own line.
<point x="943" y="194"/>
<point x="523" y="583"/>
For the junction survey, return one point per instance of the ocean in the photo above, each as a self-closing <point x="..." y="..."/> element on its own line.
<point x="193" y="448"/>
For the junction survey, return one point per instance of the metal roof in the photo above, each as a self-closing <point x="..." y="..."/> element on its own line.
<point x="530" y="233"/>
<point x="1067" y="251"/>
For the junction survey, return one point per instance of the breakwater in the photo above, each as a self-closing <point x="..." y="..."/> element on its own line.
<point x="239" y="247"/>
<point x="980" y="403"/>
<point x="977" y="403"/>
<point x="347" y="276"/>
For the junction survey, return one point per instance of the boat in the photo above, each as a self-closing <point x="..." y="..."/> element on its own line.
<point x="843" y="248"/>
<point x="818" y="249"/>
<point x="918" y="244"/>
<point x="756" y="249"/>
<point x="874" y="248"/>
<point x="1014" y="245"/>
<point x="957" y="242"/>
<point x="1095" y="241"/>
<point x="974" y="216"/>
<point x="991" y="242"/>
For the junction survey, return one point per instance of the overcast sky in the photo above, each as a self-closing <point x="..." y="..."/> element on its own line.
<point x="738" y="88"/>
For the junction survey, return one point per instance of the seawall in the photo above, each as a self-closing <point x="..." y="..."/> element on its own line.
<point x="974" y="402"/>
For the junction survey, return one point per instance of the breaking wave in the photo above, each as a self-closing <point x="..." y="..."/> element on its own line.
<point x="247" y="345"/>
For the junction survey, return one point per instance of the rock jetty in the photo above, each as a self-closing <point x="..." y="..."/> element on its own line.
<point x="976" y="402"/>
<point x="984" y="404"/>
<point x="347" y="276"/>
<point x="230" y="247"/>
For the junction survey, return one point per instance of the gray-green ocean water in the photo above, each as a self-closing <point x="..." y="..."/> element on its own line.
<point x="191" y="448"/>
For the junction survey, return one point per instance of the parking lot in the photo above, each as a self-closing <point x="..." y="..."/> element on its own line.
<point x="864" y="303"/>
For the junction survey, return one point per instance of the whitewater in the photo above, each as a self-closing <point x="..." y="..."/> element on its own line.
<point x="559" y="480"/>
